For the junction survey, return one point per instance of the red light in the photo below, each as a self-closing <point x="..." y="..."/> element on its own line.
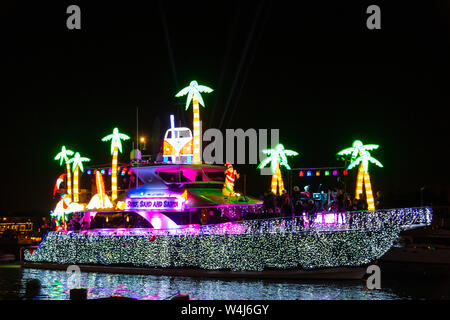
<point x="345" y="172"/>
<point x="301" y="174"/>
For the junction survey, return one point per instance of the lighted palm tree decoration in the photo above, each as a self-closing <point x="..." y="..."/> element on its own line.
<point x="63" y="157"/>
<point x="360" y="156"/>
<point x="193" y="93"/>
<point x="276" y="157"/>
<point x="100" y="200"/>
<point x="77" y="161"/>
<point x="116" y="146"/>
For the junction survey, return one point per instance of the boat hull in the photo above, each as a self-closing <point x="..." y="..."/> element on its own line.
<point x="340" y="273"/>
<point x="315" y="248"/>
<point x="236" y="252"/>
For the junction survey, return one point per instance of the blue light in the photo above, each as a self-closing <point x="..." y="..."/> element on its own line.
<point x="308" y="174"/>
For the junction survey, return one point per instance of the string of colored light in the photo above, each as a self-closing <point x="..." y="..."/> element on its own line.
<point x="69" y="181"/>
<point x="75" y="185"/>
<point x="100" y="187"/>
<point x="114" y="174"/>
<point x="369" y="193"/>
<point x="360" y="155"/>
<point x="196" y="130"/>
<point x="359" y="182"/>
<point x="62" y="156"/>
<point x="272" y="243"/>
<point x="237" y="252"/>
<point x="276" y="157"/>
<point x="116" y="147"/>
<point x="193" y="93"/>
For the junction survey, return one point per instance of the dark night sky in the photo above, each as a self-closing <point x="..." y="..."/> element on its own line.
<point x="315" y="72"/>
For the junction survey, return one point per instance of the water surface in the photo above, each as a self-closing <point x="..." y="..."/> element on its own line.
<point x="55" y="286"/>
<point x="398" y="282"/>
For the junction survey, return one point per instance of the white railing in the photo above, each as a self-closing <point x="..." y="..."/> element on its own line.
<point x="403" y="218"/>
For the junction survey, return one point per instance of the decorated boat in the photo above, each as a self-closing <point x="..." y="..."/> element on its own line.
<point x="182" y="217"/>
<point x="177" y="219"/>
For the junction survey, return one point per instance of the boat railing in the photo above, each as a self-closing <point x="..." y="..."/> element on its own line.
<point x="401" y="218"/>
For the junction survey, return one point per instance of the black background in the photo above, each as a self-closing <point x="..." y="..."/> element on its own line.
<point x="313" y="71"/>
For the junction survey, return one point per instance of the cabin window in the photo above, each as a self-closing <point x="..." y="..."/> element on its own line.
<point x="215" y="175"/>
<point x="184" y="134"/>
<point x="192" y="175"/>
<point x="132" y="181"/>
<point x="168" y="175"/>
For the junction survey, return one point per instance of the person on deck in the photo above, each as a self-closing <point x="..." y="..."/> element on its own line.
<point x="362" y="202"/>
<point x="269" y="202"/>
<point x="286" y="204"/>
<point x="199" y="177"/>
<point x="347" y="202"/>
<point x="340" y="200"/>
<point x="305" y="195"/>
<point x="296" y="200"/>
<point x="378" y="201"/>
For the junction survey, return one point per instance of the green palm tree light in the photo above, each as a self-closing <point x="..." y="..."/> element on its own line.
<point x="116" y="145"/>
<point x="193" y="93"/>
<point x="276" y="157"/>
<point x="77" y="161"/>
<point x="62" y="156"/>
<point x="359" y="155"/>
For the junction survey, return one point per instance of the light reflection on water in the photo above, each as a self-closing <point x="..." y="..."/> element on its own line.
<point x="147" y="287"/>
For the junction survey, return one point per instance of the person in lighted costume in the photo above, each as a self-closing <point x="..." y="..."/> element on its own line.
<point x="230" y="176"/>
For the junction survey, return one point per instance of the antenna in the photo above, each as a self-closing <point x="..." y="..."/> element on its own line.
<point x="137" y="127"/>
<point x="172" y="121"/>
<point x="172" y="125"/>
